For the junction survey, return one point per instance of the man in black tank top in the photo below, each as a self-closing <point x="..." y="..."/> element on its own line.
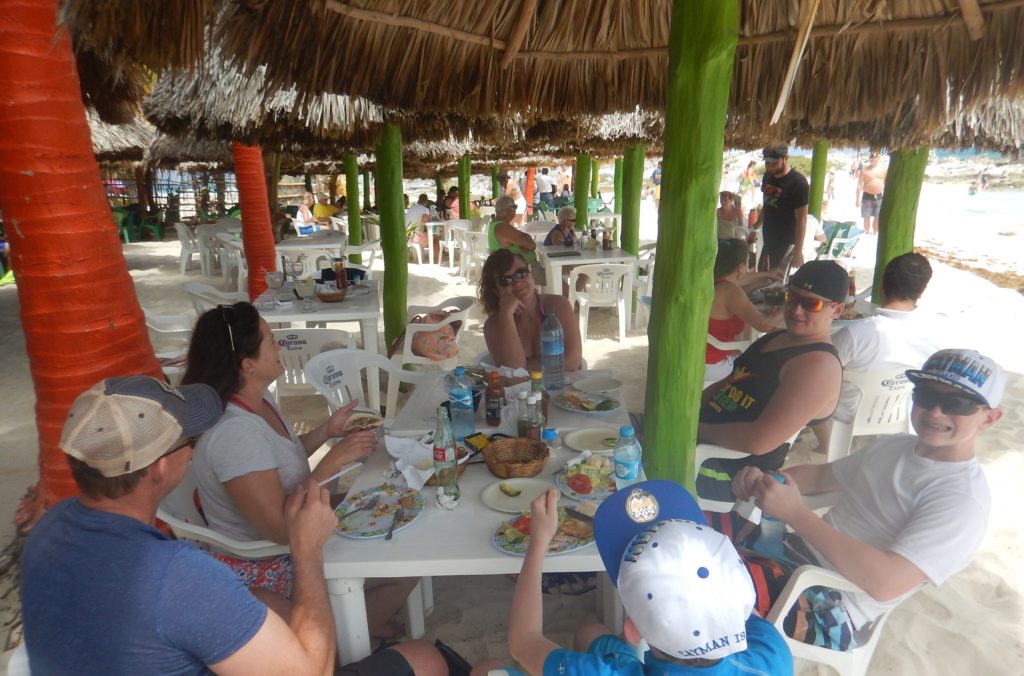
<point x="783" y="382"/>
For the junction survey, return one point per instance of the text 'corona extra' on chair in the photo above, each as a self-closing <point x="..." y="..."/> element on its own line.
<point x="338" y="375"/>
<point x="604" y="289"/>
<point x="298" y="346"/>
<point x="884" y="407"/>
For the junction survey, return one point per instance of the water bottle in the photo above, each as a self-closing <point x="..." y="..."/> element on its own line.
<point x="552" y="342"/>
<point x="460" y="398"/>
<point x="773" y="532"/>
<point x="626" y="457"/>
<point x="445" y="462"/>
<point x="550" y="437"/>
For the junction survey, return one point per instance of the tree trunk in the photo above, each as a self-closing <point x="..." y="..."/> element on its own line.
<point x="355" y="225"/>
<point x="702" y="42"/>
<point x="580" y="190"/>
<point x="257" y="236"/>
<point x="366" y="191"/>
<point x="632" y="185"/>
<point x="595" y="176"/>
<point x="392" y="231"/>
<point x="531" y="175"/>
<point x="898" y="216"/>
<point x="819" y="173"/>
<point x="81" y="318"/>
<point x="495" y="186"/>
<point x="618" y="184"/>
<point x="465" y="171"/>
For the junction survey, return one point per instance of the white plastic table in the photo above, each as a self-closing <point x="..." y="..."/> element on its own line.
<point x="363" y="308"/>
<point x="431" y="228"/>
<point x="329" y="242"/>
<point x="438" y="542"/>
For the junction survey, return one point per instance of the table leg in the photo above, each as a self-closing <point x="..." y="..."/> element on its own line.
<point x="554" y="280"/>
<point x="608" y="603"/>
<point x="348" y="606"/>
<point x="414" y="612"/>
<point x="430" y="244"/>
<point x="627" y="292"/>
<point x="368" y="331"/>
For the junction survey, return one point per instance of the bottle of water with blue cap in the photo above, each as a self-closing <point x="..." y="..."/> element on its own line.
<point x="552" y="349"/>
<point x="626" y="458"/>
<point x="773" y="532"/>
<point x="460" y="397"/>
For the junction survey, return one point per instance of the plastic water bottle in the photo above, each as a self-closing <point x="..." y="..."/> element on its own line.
<point x="552" y="342"/>
<point x="550" y="437"/>
<point x="460" y="398"/>
<point x="773" y="532"/>
<point x="445" y="462"/>
<point x="626" y="457"/>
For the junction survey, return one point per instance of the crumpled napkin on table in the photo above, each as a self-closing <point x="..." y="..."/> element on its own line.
<point x="413" y="459"/>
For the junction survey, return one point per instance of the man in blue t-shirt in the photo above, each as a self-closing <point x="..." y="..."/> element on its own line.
<point x="683" y="586"/>
<point x="104" y="592"/>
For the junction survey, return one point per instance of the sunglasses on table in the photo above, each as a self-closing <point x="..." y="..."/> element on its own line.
<point x="806" y="302"/>
<point x="950" y="403"/>
<point x="506" y="280"/>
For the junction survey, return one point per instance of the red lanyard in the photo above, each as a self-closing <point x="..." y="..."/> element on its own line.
<point x="245" y="407"/>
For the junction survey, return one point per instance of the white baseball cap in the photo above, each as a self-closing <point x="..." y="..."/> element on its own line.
<point x="968" y="371"/>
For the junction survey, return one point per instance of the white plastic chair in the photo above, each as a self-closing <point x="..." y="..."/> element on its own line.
<point x="209" y="245"/>
<point x="337" y="374"/>
<point x="452" y="241"/>
<point x="339" y="224"/>
<point x="178" y="510"/>
<point x="460" y="316"/>
<point x="474" y="252"/>
<point x="371" y="246"/>
<point x="189" y="247"/>
<point x="644" y="285"/>
<point x="204" y="297"/>
<point x="298" y="346"/>
<point x="486" y="213"/>
<point x="852" y="662"/>
<point x="884" y="407"/>
<point x="604" y="289"/>
<point x="705" y="452"/>
<point x="725" y="346"/>
<point x="233" y="257"/>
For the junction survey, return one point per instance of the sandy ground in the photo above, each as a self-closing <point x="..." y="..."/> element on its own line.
<point x="972" y="624"/>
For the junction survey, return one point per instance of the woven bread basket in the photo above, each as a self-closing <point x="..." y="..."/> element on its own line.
<point x="516" y="457"/>
<point x="332" y="296"/>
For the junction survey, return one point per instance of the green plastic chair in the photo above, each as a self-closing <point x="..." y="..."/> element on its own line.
<point x="125" y="223"/>
<point x="154" y="225"/>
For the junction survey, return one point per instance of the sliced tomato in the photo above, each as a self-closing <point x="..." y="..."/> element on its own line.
<point x="579" y="483"/>
<point x="522" y="524"/>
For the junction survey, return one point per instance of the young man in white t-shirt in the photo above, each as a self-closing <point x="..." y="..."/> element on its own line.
<point x="912" y="510"/>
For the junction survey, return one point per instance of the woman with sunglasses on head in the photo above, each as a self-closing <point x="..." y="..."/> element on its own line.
<point x="252" y="459"/>
<point x="731" y="310"/>
<point x="783" y="382"/>
<point x="515" y="312"/>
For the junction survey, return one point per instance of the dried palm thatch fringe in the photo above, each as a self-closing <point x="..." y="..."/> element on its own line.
<point x="119" y="142"/>
<point x="906" y="62"/>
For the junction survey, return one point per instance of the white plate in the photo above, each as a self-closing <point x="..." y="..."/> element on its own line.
<point x="597" y="384"/>
<point x="593" y="439"/>
<point x="598" y="494"/>
<point x="531" y="488"/>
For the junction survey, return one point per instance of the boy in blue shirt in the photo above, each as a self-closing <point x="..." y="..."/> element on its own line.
<point x="683" y="586"/>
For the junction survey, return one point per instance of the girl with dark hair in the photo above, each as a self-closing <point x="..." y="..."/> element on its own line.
<point x="247" y="464"/>
<point x="515" y="312"/>
<point x="731" y="310"/>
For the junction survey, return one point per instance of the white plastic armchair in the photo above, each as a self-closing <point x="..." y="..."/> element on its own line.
<point x="605" y="288"/>
<point x="298" y="346"/>
<point x="189" y="247"/>
<point x="705" y="452"/>
<point x="452" y="241"/>
<point x="204" y="297"/>
<point x="853" y="662"/>
<point x="726" y="346"/>
<point x="178" y="510"/>
<point x="884" y="407"/>
<point x="338" y="376"/>
<point x="474" y="252"/>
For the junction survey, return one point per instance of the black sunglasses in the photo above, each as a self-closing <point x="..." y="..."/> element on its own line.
<point x="521" y="273"/>
<point x="227" y="322"/>
<point x="949" y="403"/>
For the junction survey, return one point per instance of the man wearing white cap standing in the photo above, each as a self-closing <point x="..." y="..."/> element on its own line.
<point x="104" y="592"/>
<point x="683" y="585"/>
<point x="913" y="509"/>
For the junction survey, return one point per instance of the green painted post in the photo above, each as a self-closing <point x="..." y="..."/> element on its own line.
<point x="632" y="185"/>
<point x="595" y="170"/>
<point x="618" y="184"/>
<point x="355" y="224"/>
<point x="464" y="174"/>
<point x="581" y="190"/>
<point x="495" y="186"/>
<point x="366" y="190"/>
<point x="702" y="43"/>
<point x="819" y="170"/>
<point x="898" y="215"/>
<point x="392" y="230"/>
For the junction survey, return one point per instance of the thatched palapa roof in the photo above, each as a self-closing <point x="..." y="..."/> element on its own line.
<point x="119" y="142"/>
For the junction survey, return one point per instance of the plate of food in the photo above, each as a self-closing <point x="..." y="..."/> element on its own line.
<point x="369" y="513"/>
<point x="513" y="536"/>
<point x="513" y="495"/>
<point x="849" y="315"/>
<point x="592" y="479"/>
<point x="579" y="402"/>
<point x="593" y="439"/>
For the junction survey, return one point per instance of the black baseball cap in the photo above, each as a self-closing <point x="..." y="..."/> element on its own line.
<point x="775" y="152"/>
<point x="825" y="278"/>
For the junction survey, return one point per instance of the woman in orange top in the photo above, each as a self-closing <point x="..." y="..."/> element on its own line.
<point x="731" y="310"/>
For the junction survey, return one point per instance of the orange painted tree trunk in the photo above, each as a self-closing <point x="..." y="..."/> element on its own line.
<point x="79" y="312"/>
<point x="257" y="236"/>
<point x="531" y="175"/>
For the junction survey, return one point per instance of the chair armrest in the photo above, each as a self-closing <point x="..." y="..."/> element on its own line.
<point x="729" y="346"/>
<point x="804" y="578"/>
<point x="254" y="549"/>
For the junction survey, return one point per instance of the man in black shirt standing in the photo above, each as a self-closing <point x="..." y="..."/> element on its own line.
<point x="784" y="215"/>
